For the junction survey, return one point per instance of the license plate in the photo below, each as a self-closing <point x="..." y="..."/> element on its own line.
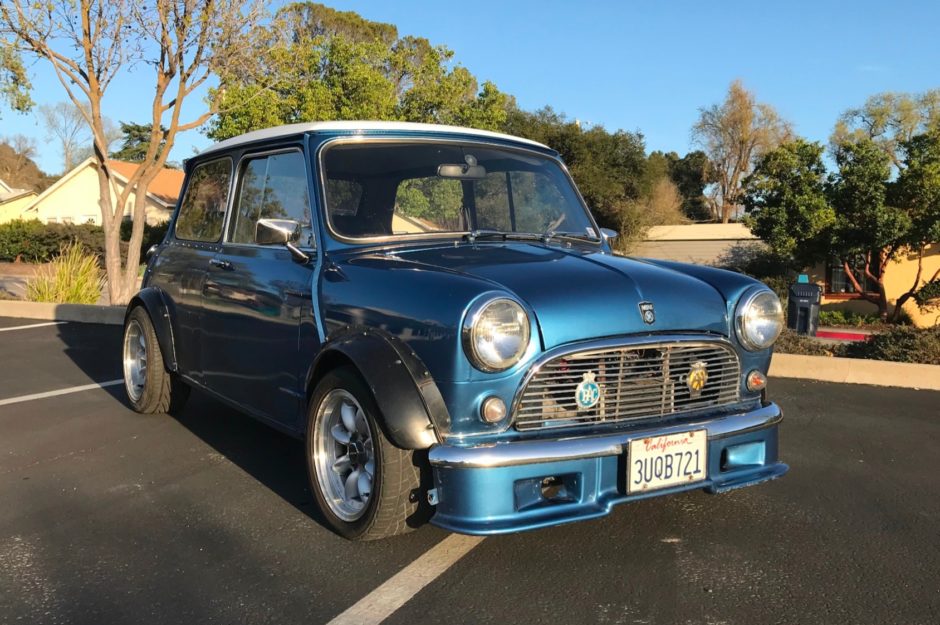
<point x="670" y="460"/>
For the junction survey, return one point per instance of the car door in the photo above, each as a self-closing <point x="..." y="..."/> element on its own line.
<point x="180" y="269"/>
<point x="258" y="299"/>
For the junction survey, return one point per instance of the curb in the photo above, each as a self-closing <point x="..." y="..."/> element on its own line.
<point x="856" y="371"/>
<point x="79" y="313"/>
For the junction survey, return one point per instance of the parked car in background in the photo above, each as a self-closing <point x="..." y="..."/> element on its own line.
<point x="436" y="313"/>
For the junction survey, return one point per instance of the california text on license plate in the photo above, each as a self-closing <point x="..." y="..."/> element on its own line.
<point x="670" y="460"/>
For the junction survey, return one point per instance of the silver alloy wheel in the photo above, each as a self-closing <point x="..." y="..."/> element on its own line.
<point x="135" y="360"/>
<point x="345" y="456"/>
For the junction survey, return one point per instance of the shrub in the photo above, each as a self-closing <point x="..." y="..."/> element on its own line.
<point x="35" y="242"/>
<point x="792" y="343"/>
<point x="22" y="239"/>
<point x="847" y="318"/>
<point x="153" y="235"/>
<point x="761" y="263"/>
<point x="900" y="344"/>
<point x="73" y="277"/>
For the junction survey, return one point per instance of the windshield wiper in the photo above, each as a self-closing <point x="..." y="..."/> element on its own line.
<point x="486" y="234"/>
<point x="569" y="236"/>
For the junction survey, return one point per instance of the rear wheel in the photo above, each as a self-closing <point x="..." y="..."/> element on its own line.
<point x="365" y="487"/>
<point x="150" y="387"/>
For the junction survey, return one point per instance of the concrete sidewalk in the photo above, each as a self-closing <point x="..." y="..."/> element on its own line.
<point x="856" y="371"/>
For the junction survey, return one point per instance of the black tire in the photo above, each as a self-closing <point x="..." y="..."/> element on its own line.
<point x="396" y="503"/>
<point x="162" y="391"/>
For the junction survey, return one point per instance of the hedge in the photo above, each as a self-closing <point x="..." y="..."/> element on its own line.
<point x="35" y="242"/>
<point x="897" y="344"/>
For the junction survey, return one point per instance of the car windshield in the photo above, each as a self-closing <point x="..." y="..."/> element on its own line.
<point x="413" y="189"/>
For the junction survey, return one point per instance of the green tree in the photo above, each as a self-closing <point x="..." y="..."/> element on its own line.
<point x="691" y="174"/>
<point x="786" y="204"/>
<point x="319" y="63"/>
<point x="135" y="141"/>
<point x="917" y="189"/>
<point x="14" y="81"/>
<point x="867" y="227"/>
<point x="890" y="120"/>
<point x="608" y="167"/>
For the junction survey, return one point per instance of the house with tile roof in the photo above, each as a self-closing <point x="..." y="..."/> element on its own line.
<point x="74" y="197"/>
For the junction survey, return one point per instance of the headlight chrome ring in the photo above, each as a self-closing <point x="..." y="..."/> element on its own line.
<point x="758" y="319"/>
<point x="496" y="333"/>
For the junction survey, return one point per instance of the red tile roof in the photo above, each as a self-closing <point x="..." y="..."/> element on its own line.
<point x="165" y="186"/>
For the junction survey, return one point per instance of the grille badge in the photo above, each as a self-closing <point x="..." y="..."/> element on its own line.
<point x="588" y="392"/>
<point x="697" y="378"/>
<point x="647" y="312"/>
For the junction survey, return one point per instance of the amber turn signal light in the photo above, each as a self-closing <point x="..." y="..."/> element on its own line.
<point x="756" y="381"/>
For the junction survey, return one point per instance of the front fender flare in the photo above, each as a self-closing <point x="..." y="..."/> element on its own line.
<point x="153" y="301"/>
<point x="413" y="409"/>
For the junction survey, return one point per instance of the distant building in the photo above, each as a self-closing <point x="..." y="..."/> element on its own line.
<point x="727" y="244"/>
<point x="13" y="201"/>
<point x="74" y="197"/>
<point x="703" y="244"/>
<point x="840" y="294"/>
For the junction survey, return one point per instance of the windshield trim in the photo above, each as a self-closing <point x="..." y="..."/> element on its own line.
<point x="420" y="236"/>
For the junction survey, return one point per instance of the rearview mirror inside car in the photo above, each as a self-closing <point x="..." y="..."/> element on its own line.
<point x="462" y="171"/>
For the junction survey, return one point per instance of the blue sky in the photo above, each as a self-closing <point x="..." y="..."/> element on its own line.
<point x="639" y="66"/>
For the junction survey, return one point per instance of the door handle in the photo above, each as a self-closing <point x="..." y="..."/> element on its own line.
<point x="222" y="264"/>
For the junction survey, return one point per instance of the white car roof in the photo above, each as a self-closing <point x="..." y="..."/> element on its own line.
<point x="294" y="129"/>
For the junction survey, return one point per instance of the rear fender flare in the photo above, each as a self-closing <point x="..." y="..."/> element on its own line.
<point x="155" y="303"/>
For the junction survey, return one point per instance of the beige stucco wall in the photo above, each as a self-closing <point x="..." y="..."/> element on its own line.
<point x="76" y="201"/>
<point x="14" y="208"/>
<point x="899" y="277"/>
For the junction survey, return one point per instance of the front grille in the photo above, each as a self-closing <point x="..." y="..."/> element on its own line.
<point x="636" y="382"/>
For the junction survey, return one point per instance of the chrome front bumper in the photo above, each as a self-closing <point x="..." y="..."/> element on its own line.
<point x="487" y="489"/>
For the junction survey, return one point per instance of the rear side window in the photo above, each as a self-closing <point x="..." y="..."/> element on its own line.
<point x="203" y="209"/>
<point x="272" y="187"/>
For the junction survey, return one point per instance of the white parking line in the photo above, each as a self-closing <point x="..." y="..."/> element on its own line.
<point x="61" y="391"/>
<point x="33" y="325"/>
<point x="382" y="602"/>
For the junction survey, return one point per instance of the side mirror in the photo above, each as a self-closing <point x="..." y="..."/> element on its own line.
<point x="276" y="231"/>
<point x="608" y="234"/>
<point x="280" y="232"/>
<point x="151" y="251"/>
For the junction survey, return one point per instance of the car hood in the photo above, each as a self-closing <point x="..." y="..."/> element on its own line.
<point x="580" y="294"/>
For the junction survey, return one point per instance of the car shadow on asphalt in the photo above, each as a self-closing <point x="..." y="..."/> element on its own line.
<point x="274" y="459"/>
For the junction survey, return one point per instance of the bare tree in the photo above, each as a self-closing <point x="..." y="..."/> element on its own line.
<point x="24" y="146"/>
<point x="735" y="134"/>
<point x="66" y="123"/>
<point x="89" y="42"/>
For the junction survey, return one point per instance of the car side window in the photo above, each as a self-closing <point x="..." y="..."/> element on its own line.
<point x="272" y="187"/>
<point x="202" y="212"/>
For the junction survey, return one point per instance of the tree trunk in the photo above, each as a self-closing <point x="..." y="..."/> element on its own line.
<point x="880" y="300"/>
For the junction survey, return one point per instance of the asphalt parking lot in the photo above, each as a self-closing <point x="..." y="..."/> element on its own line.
<point x="107" y="516"/>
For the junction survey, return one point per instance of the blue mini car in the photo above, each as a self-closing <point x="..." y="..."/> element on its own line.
<point x="435" y="312"/>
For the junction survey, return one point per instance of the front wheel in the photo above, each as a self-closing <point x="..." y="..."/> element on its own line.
<point x="150" y="387"/>
<point x="365" y="487"/>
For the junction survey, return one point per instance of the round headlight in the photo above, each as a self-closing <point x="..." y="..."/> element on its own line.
<point x="496" y="334"/>
<point x="759" y="319"/>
